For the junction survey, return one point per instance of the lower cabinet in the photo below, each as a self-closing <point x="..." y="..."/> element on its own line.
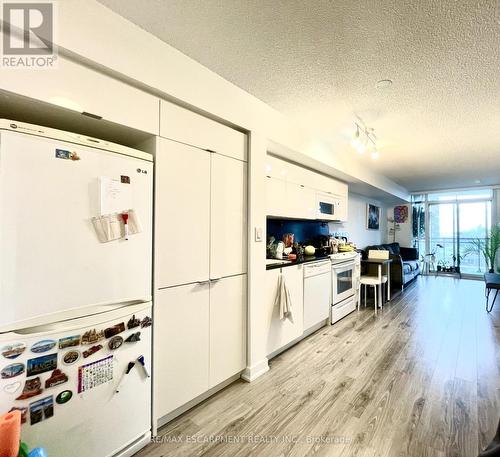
<point x="199" y="339"/>
<point x="228" y="323"/>
<point x="282" y="332"/>
<point x="181" y="338"/>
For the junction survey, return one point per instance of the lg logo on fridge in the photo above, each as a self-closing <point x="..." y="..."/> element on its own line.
<point x="28" y="35"/>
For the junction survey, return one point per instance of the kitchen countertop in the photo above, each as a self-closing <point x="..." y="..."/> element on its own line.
<point x="288" y="263"/>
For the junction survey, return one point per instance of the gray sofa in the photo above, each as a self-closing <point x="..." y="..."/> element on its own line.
<point x="404" y="267"/>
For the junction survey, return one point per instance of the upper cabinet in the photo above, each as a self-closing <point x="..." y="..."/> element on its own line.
<point x="84" y="90"/>
<point x="180" y="124"/>
<point x="296" y="192"/>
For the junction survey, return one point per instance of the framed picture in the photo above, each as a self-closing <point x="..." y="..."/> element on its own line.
<point x="372" y="217"/>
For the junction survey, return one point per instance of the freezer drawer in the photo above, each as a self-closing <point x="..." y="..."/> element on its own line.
<point x="93" y="419"/>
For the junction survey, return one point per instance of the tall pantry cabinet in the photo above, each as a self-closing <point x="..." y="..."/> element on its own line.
<point x="200" y="257"/>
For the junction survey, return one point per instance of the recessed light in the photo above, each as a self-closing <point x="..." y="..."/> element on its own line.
<point x="477" y="181"/>
<point x="384" y="84"/>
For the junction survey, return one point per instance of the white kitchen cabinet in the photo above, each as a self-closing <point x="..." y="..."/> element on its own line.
<point x="300" y="201"/>
<point x="227" y="328"/>
<point x="188" y="127"/>
<point x="275" y="196"/>
<point x="292" y="191"/>
<point x="182" y="214"/>
<point x="228" y="217"/>
<point x="282" y="332"/>
<point x="82" y="89"/>
<point x="181" y="345"/>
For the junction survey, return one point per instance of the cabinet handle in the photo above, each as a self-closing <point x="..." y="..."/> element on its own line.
<point x="216" y="279"/>
<point x="201" y="283"/>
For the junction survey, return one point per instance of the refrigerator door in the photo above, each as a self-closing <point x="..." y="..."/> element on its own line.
<point x="97" y="422"/>
<point x="52" y="263"/>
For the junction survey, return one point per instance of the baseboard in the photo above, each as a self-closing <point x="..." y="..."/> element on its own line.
<point x="252" y="373"/>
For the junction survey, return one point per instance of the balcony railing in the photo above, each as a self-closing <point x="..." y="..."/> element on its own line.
<point x="473" y="263"/>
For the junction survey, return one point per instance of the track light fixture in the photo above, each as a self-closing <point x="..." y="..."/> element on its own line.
<point x="364" y="139"/>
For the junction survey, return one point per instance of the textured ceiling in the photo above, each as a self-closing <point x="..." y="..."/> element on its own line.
<point x="318" y="62"/>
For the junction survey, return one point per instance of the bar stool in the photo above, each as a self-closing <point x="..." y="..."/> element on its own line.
<point x="374" y="281"/>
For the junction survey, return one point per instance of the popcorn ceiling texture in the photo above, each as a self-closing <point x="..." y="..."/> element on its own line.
<point x="318" y="62"/>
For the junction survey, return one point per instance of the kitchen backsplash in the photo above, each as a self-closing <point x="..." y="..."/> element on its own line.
<point x="303" y="230"/>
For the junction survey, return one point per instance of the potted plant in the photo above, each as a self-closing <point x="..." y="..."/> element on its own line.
<point x="488" y="247"/>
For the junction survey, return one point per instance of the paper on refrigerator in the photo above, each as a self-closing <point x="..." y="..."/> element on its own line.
<point x="115" y="196"/>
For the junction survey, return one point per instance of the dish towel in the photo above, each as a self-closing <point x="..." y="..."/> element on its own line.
<point x="283" y="300"/>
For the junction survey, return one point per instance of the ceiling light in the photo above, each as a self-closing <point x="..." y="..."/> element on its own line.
<point x="383" y="84"/>
<point x="477" y="181"/>
<point x="364" y="139"/>
<point x="355" y="140"/>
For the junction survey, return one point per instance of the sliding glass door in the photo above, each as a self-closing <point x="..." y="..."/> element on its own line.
<point x="454" y="224"/>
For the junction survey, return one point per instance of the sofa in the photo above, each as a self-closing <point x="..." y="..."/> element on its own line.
<point x="404" y="266"/>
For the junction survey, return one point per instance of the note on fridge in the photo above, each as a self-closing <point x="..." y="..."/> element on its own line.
<point x="115" y="196"/>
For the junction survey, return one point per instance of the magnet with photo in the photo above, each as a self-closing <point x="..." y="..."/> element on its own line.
<point x="11" y="351"/>
<point x="133" y="338"/>
<point x="69" y="341"/>
<point x="115" y="342"/>
<point x="12" y="370"/>
<point x="41" y="410"/>
<point x="146" y="322"/>
<point x="32" y="388"/>
<point x="71" y="357"/>
<point x="24" y="413"/>
<point x="64" y="397"/>
<point x="43" y="346"/>
<point x="41" y="364"/>
<point x="91" y="351"/>
<point x="133" y="322"/>
<point x="112" y="331"/>
<point x="92" y="336"/>
<point x="57" y="377"/>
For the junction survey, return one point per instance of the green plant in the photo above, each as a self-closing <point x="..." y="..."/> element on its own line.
<point x="488" y="247"/>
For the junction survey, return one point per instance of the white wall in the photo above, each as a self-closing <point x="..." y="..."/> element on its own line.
<point x="356" y="224"/>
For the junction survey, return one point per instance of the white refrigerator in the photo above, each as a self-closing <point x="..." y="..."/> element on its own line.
<point x="75" y="290"/>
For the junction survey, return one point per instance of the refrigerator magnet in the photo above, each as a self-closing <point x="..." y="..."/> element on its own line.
<point x="11" y="351"/>
<point x="91" y="351"/>
<point x="43" y="346"/>
<point x="112" y="331"/>
<point x="146" y="322"/>
<point x="64" y="397"/>
<point x="41" y="364"/>
<point x="57" y="377"/>
<point x="32" y="388"/>
<point x="69" y="341"/>
<point x="23" y="410"/>
<point x="92" y="336"/>
<point x="133" y="338"/>
<point x="12" y="370"/>
<point x="71" y="357"/>
<point x="115" y="342"/>
<point x="133" y="322"/>
<point x="12" y="388"/>
<point x="41" y="410"/>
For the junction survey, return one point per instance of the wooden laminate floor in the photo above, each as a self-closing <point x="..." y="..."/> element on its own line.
<point x="420" y="379"/>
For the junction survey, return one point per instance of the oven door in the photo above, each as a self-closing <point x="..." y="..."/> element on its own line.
<point x="342" y="281"/>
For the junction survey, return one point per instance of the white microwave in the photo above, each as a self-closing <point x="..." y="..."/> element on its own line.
<point x="327" y="206"/>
